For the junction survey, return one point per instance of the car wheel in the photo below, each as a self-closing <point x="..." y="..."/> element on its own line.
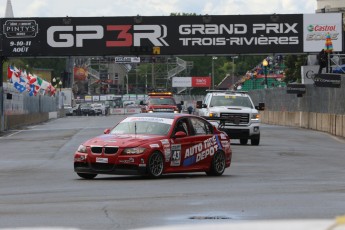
<point x="217" y="165"/>
<point x="255" y="140"/>
<point x="155" y="165"/>
<point x="244" y="141"/>
<point x="88" y="176"/>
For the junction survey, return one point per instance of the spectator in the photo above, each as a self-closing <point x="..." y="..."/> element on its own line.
<point x="190" y="109"/>
<point x="323" y="60"/>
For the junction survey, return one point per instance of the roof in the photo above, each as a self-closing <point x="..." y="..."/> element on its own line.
<point x="162" y="115"/>
<point x="232" y="92"/>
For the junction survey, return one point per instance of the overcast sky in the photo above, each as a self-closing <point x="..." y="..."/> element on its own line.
<point x="115" y="8"/>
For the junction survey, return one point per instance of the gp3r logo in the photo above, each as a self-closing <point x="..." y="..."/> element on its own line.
<point x="74" y="36"/>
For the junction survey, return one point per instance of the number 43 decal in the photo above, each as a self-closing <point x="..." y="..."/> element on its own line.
<point x="176" y="155"/>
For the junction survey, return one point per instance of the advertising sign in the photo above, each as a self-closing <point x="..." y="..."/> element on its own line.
<point x="181" y="82"/>
<point x="100" y="36"/>
<point x="201" y="82"/>
<point x="127" y="59"/>
<point x="295" y="89"/>
<point x="327" y="80"/>
<point x="308" y="73"/>
<point x="194" y="82"/>
<point x="316" y="29"/>
<point x="171" y="35"/>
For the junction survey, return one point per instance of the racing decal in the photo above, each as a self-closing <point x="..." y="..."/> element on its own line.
<point x="226" y="145"/>
<point x="201" y="151"/>
<point x="223" y="136"/>
<point x="127" y="161"/>
<point x="175" y="155"/>
<point x="150" y="119"/>
<point x="166" y="149"/>
<point x="154" y="145"/>
<point x="165" y="141"/>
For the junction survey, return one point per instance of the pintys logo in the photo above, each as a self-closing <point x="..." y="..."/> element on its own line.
<point x="322" y="28"/>
<point x="20" y="28"/>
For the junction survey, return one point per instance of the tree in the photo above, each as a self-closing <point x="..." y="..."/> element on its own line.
<point x="293" y="65"/>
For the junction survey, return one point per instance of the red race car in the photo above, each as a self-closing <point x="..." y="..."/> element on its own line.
<point x="153" y="144"/>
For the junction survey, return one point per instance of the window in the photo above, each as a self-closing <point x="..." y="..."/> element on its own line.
<point x="182" y="126"/>
<point x="201" y="127"/>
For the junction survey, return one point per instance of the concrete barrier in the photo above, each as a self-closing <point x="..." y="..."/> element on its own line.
<point x="330" y="123"/>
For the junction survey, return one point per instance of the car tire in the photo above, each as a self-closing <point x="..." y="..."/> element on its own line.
<point x="243" y="141"/>
<point x="87" y="176"/>
<point x="255" y="140"/>
<point x="218" y="164"/>
<point x="155" y="165"/>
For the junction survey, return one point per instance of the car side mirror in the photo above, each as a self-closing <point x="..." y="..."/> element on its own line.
<point x="198" y="104"/>
<point x="106" y="131"/>
<point x="261" y="106"/>
<point x="180" y="134"/>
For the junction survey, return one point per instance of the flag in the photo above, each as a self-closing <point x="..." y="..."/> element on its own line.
<point x="328" y="44"/>
<point x="21" y="88"/>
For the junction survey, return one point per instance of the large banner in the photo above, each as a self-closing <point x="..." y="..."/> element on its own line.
<point x="169" y="35"/>
<point x="195" y="81"/>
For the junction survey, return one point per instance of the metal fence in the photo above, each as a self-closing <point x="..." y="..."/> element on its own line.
<point x="22" y="103"/>
<point x="316" y="99"/>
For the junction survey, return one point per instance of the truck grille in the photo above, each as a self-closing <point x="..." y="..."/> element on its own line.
<point x="236" y="118"/>
<point x="105" y="149"/>
<point x="163" y="110"/>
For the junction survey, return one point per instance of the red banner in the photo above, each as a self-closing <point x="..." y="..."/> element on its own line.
<point x="201" y="82"/>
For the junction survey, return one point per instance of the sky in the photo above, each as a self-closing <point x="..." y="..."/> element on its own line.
<point x="116" y="8"/>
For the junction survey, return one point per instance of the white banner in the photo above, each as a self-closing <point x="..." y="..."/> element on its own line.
<point x="317" y="27"/>
<point x="181" y="82"/>
<point x="127" y="59"/>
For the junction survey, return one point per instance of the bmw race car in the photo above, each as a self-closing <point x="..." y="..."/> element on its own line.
<point x="152" y="144"/>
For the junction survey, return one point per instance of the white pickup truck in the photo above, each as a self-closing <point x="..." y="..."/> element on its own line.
<point x="234" y="113"/>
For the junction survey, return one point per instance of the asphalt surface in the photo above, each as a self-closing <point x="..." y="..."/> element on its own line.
<point x="293" y="174"/>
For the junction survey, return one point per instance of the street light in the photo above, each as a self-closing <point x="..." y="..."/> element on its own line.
<point x="213" y="58"/>
<point x="233" y="70"/>
<point x="265" y="64"/>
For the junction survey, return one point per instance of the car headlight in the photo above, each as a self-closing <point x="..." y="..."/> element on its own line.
<point x="255" y="116"/>
<point x="213" y="114"/>
<point x="82" y="149"/>
<point x="136" y="150"/>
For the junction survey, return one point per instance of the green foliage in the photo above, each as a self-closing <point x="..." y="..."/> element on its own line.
<point x="56" y="64"/>
<point x="293" y="65"/>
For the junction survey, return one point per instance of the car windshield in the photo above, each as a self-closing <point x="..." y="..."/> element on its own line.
<point x="231" y="100"/>
<point x="162" y="101"/>
<point x="142" y="125"/>
<point x="85" y="106"/>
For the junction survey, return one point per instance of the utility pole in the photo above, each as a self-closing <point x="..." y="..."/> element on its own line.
<point x="233" y="70"/>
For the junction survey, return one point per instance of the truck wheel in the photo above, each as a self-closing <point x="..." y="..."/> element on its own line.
<point x="255" y="140"/>
<point x="244" y="141"/>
